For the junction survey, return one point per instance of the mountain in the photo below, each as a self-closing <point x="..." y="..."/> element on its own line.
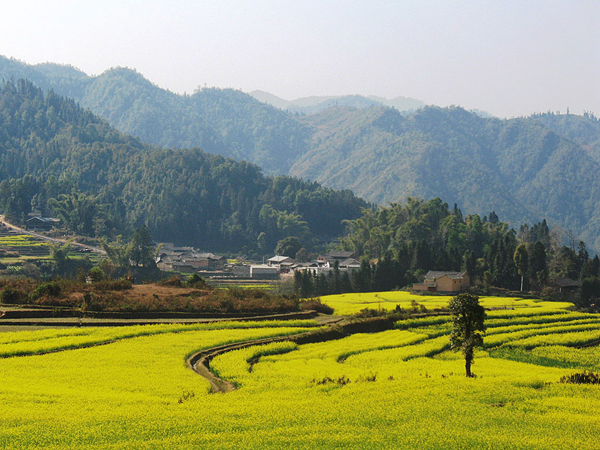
<point x="526" y="169"/>
<point x="270" y="99"/>
<point x="400" y="103"/>
<point x="222" y="121"/>
<point x="316" y="104"/>
<point x="520" y="168"/>
<point x="583" y="130"/>
<point x="61" y="159"/>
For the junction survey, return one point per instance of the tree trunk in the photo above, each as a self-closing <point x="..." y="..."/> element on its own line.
<point x="468" y="368"/>
<point x="522" y="278"/>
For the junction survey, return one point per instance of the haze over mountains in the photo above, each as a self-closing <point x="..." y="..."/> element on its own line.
<point x="526" y="169"/>
<point x="315" y="104"/>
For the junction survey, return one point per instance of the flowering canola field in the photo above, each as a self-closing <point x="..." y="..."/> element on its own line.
<point x="400" y="388"/>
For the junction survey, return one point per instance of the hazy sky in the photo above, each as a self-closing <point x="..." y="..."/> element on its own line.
<point x="507" y="57"/>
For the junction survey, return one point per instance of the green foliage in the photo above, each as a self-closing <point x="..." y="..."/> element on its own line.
<point x="77" y="212"/>
<point x="288" y="246"/>
<point x="196" y="281"/>
<point x="426" y="235"/>
<point x="589" y="292"/>
<point x="468" y="321"/>
<point x="96" y="274"/>
<point x="50" y="289"/>
<point x="65" y="161"/>
<point x="521" y="166"/>
<point x="521" y="259"/>
<point x="10" y="296"/>
<point x="141" y="249"/>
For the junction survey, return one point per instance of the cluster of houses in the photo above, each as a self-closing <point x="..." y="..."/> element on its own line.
<point x="279" y="266"/>
<point x="190" y="260"/>
<point x="187" y="259"/>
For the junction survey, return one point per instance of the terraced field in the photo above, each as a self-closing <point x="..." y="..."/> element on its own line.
<point x="399" y="388"/>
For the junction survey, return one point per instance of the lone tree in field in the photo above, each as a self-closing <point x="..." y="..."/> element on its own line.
<point x="468" y="318"/>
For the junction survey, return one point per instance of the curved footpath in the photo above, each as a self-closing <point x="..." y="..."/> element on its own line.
<point x="337" y="328"/>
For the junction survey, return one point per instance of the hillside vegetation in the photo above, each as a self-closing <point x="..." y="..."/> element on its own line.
<point x="521" y="168"/>
<point x="61" y="159"/>
<point x="526" y="169"/>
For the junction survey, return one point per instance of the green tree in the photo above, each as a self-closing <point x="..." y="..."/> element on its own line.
<point x="288" y="246"/>
<point x="141" y="248"/>
<point x="60" y="255"/>
<point x="538" y="265"/>
<point x="77" y="211"/>
<point x="589" y="291"/>
<point x="116" y="252"/>
<point x="468" y="318"/>
<point x="521" y="260"/>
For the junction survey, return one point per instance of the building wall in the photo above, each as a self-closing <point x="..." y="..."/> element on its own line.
<point x="447" y="284"/>
<point x="264" y="272"/>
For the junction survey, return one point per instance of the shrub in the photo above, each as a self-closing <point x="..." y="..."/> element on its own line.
<point x="10" y="296"/>
<point x="196" y="281"/>
<point x="314" y="304"/>
<point x="370" y="312"/>
<point x="585" y="377"/>
<point x="171" y="281"/>
<point x="122" y="284"/>
<point x="50" y="289"/>
<point x="96" y="274"/>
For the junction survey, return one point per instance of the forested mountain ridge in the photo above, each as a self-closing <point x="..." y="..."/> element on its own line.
<point x="527" y="169"/>
<point x="222" y="121"/>
<point x="61" y="159"/>
<point x="583" y="130"/>
<point x="315" y="104"/>
<point x="522" y="169"/>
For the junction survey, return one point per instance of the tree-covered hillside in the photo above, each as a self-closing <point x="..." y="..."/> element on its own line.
<point x="222" y="121"/>
<point x="583" y="130"/>
<point x="519" y="167"/>
<point x="63" y="160"/>
<point x="527" y="169"/>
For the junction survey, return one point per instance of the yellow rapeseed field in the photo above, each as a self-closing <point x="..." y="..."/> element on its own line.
<point x="400" y="388"/>
<point x="345" y="304"/>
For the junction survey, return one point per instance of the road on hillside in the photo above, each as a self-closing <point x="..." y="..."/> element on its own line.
<point x="49" y="239"/>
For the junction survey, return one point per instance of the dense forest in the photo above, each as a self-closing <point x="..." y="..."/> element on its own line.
<point x="526" y="169"/>
<point x="62" y="160"/>
<point x="522" y="167"/>
<point x="400" y="243"/>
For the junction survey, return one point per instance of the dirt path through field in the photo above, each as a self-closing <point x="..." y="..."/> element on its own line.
<point x="337" y="328"/>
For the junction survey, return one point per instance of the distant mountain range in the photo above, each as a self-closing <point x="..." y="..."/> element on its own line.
<point x="526" y="169"/>
<point x="312" y="105"/>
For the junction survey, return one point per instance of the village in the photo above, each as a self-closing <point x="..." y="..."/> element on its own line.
<point x="279" y="267"/>
<point x="218" y="269"/>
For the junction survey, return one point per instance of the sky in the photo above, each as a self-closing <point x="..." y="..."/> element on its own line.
<point x="507" y="57"/>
